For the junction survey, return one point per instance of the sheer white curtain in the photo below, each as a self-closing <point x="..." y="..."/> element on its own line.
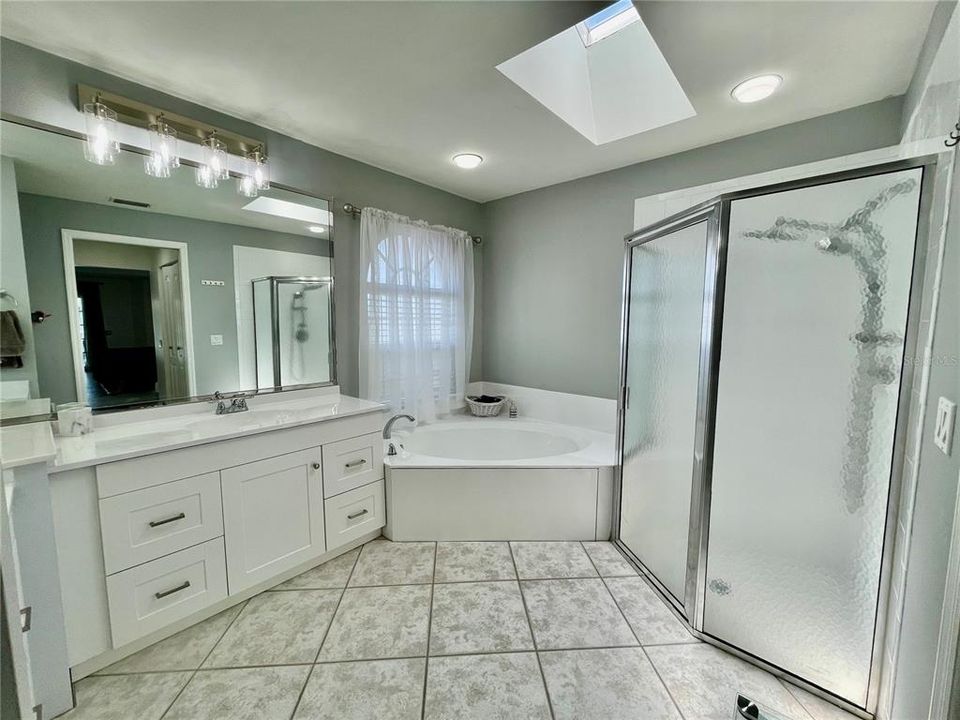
<point x="416" y="314"/>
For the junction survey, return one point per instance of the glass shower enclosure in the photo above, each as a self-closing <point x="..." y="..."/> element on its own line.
<point x="293" y="331"/>
<point x="764" y="381"/>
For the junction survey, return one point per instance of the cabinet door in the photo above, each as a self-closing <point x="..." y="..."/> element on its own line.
<point x="272" y="516"/>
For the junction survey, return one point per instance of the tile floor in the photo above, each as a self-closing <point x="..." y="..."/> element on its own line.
<point x="443" y="631"/>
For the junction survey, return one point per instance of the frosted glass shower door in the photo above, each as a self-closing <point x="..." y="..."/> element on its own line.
<point x="817" y="289"/>
<point x="664" y="309"/>
<point x="304" y="332"/>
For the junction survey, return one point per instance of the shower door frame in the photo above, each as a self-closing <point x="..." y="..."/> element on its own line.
<point x="275" y="281"/>
<point x="933" y="187"/>
<point x="708" y="212"/>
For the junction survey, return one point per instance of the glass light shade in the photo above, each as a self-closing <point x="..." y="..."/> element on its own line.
<point x="101" y="146"/>
<point x="259" y="169"/>
<point x="247" y="186"/>
<point x="163" y="157"/>
<point x="756" y="88"/>
<point x="213" y="167"/>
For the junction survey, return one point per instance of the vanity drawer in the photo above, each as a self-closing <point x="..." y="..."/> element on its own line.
<point x="146" y="524"/>
<point x="348" y="464"/>
<point x="151" y="596"/>
<point x="354" y="513"/>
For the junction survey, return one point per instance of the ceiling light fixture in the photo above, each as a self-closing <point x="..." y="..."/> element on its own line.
<point x="467" y="161"/>
<point x="756" y="88"/>
<point x="316" y="228"/>
<point x="256" y="176"/>
<point x="101" y="146"/>
<point x="163" y="157"/>
<point x="213" y="167"/>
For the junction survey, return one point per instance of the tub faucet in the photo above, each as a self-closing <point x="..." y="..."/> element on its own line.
<point x="389" y="426"/>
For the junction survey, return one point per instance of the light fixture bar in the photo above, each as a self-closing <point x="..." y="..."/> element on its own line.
<point x="138" y="114"/>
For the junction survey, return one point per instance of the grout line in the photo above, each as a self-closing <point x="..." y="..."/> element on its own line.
<point x="426" y="662"/>
<point x="533" y="636"/>
<point x="206" y="657"/>
<point x="637" y="637"/>
<point x="326" y="632"/>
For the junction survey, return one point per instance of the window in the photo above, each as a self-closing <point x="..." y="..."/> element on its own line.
<point x="608" y="21"/>
<point x="416" y="314"/>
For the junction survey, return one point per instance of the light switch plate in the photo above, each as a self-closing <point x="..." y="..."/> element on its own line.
<point x="943" y="427"/>
<point x="216" y="339"/>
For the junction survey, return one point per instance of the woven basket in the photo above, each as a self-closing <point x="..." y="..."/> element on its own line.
<point x="481" y="409"/>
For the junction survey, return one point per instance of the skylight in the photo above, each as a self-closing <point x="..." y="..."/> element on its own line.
<point x="608" y="21"/>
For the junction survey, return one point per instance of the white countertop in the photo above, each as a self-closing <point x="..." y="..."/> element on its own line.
<point x="26" y="444"/>
<point x="23" y="444"/>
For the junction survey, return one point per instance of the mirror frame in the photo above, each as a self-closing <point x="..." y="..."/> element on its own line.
<point x="166" y="402"/>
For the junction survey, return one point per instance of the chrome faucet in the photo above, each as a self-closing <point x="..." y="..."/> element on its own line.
<point x="389" y="426"/>
<point x="238" y="403"/>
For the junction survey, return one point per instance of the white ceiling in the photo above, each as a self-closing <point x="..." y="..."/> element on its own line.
<point x="405" y="85"/>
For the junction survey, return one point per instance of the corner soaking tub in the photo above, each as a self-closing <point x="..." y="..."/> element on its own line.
<point x="499" y="479"/>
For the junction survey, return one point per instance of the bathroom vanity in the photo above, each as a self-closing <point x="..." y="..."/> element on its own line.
<point x="162" y="522"/>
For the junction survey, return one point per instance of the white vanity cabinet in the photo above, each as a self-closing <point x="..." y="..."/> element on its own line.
<point x="272" y="516"/>
<point x="151" y="543"/>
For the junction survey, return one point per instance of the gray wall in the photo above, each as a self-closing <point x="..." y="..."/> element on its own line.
<point x="553" y="257"/>
<point x="210" y="254"/>
<point x="13" y="278"/>
<point x="936" y="496"/>
<point x="41" y="87"/>
<point x="935" y="100"/>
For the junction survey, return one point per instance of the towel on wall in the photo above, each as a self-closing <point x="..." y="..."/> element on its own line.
<point x="12" y="342"/>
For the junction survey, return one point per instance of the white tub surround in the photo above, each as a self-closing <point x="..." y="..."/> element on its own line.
<point x="164" y="521"/>
<point x="467" y="441"/>
<point x="500" y="479"/>
<point x="581" y="411"/>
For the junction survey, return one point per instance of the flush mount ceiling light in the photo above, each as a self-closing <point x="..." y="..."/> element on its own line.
<point x="316" y="228"/>
<point x="608" y="21"/>
<point x="101" y="146"/>
<point x="467" y="161"/>
<point x="163" y="157"/>
<point x="756" y="88"/>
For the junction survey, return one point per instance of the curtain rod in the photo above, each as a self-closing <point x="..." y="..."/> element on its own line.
<point x="353" y="210"/>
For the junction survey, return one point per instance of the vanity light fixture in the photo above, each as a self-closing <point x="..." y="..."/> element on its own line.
<point x="101" y="146"/>
<point x="163" y="157"/>
<point x="213" y="167"/>
<point x="256" y="175"/>
<point x="756" y="88"/>
<point x="316" y="228"/>
<point x="467" y="161"/>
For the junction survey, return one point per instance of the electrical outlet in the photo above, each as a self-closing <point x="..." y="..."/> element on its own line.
<point x="216" y="339"/>
<point x="213" y="283"/>
<point x="943" y="427"/>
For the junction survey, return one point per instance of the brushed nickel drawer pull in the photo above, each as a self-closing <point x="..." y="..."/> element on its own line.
<point x="171" y="591"/>
<point x="174" y="518"/>
<point x="357" y="514"/>
<point x="355" y="463"/>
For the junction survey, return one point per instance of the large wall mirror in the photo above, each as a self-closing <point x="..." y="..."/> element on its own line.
<point x="123" y="290"/>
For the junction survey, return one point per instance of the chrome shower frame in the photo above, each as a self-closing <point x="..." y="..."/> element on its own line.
<point x="275" y="281"/>
<point x="716" y="212"/>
